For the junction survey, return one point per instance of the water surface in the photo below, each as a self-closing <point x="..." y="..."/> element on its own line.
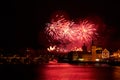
<point x="60" y="71"/>
<point x="79" y="72"/>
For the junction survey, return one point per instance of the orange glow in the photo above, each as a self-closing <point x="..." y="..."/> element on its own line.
<point x="78" y="49"/>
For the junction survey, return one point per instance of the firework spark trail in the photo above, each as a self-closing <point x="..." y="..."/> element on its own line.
<point x="71" y="35"/>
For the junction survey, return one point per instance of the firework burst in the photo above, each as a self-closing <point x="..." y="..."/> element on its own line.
<point x="69" y="34"/>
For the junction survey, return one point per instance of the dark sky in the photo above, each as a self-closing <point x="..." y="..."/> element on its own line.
<point x="22" y="21"/>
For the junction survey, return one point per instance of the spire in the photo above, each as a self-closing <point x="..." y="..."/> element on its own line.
<point x="93" y="42"/>
<point x="84" y="47"/>
<point x="84" y="44"/>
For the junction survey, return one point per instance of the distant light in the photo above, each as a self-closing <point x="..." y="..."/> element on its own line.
<point x="27" y="50"/>
<point x="97" y="59"/>
<point x="81" y="59"/>
<point x="51" y="48"/>
<point x="118" y="55"/>
<point x="89" y="51"/>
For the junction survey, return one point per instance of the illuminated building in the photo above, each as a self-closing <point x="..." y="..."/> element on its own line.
<point x="86" y="56"/>
<point x="105" y="54"/>
<point x="99" y="53"/>
<point x="116" y="55"/>
<point x="75" y="56"/>
<point x="93" y="50"/>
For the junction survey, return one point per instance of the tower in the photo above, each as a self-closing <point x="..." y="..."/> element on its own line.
<point x="93" y="50"/>
<point x="84" y="48"/>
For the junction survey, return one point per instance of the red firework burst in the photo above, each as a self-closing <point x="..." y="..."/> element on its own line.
<point x="70" y="34"/>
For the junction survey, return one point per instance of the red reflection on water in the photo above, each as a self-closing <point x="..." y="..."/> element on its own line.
<point x="66" y="72"/>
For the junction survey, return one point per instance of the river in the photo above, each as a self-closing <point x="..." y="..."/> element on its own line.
<point x="60" y="71"/>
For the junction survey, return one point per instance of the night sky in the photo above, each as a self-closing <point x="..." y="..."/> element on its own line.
<point x="22" y="22"/>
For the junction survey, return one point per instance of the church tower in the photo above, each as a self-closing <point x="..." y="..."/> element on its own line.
<point x="84" y="48"/>
<point x="93" y="50"/>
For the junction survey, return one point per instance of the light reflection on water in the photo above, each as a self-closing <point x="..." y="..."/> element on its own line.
<point x="64" y="71"/>
<point x="116" y="73"/>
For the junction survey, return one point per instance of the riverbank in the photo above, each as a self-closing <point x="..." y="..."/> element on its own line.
<point x="115" y="63"/>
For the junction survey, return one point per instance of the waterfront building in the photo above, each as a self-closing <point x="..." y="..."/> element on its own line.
<point x="93" y="50"/>
<point x="105" y="54"/>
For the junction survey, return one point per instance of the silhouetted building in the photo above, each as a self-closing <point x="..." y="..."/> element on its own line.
<point x="84" y="48"/>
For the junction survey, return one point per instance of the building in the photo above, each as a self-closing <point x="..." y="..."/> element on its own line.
<point x="105" y="54"/>
<point x="96" y="54"/>
<point x="86" y="56"/>
<point x="99" y="53"/>
<point x="116" y="55"/>
<point x="93" y="50"/>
